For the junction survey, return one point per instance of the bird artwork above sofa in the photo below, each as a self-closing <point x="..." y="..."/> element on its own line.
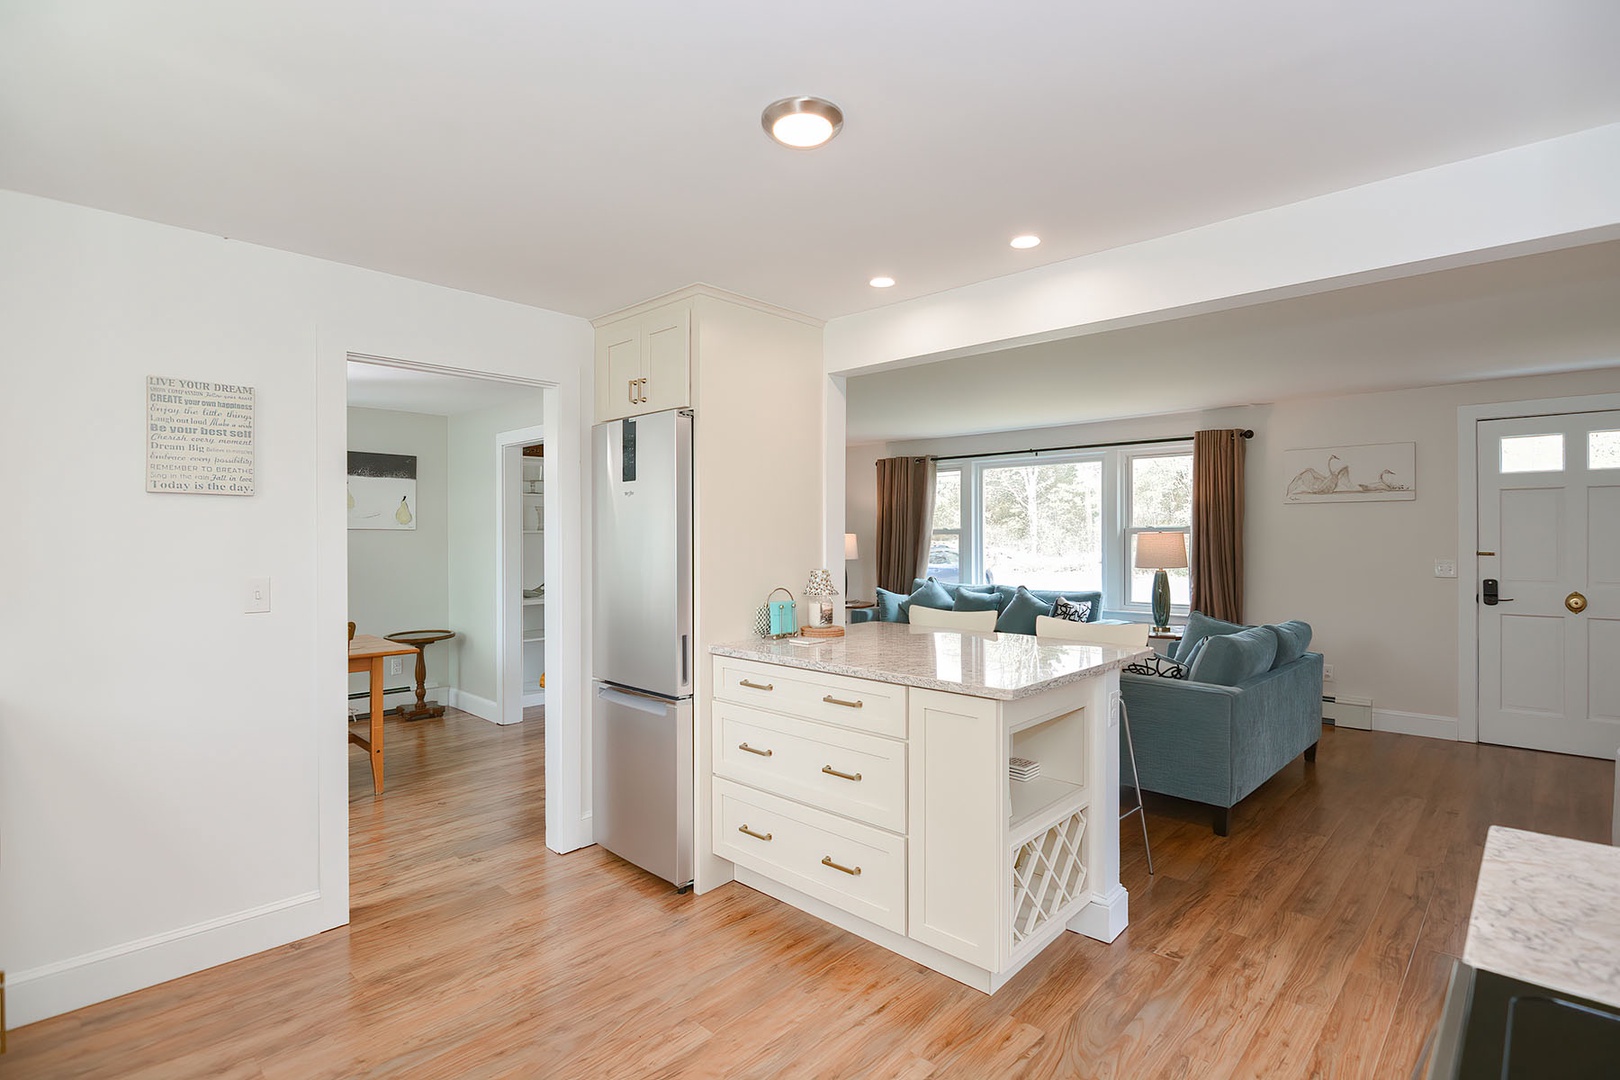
<point x="1016" y="608"/>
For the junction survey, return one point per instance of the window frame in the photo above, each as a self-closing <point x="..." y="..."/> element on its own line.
<point x="1116" y="514"/>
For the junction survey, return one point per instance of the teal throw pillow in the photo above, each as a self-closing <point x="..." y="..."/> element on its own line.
<point x="1021" y="613"/>
<point x="1199" y="627"/>
<point x="1229" y="659"/>
<point x="890" y="606"/>
<point x="931" y="594"/>
<point x="1293" y="638"/>
<point x="971" y="599"/>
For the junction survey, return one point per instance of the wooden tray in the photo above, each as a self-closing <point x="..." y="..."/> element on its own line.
<point x="822" y="631"/>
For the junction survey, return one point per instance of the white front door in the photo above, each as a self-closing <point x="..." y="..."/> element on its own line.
<point x="1549" y="544"/>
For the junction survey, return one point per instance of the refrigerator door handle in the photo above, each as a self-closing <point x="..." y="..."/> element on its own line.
<point x="686" y="659"/>
<point x="653" y="706"/>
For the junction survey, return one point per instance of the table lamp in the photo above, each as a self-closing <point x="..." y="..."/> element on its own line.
<point x="1161" y="551"/>
<point x="821" y="587"/>
<point x="852" y="552"/>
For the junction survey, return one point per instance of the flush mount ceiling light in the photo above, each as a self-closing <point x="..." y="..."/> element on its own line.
<point x="1028" y="240"/>
<point x="881" y="282"/>
<point x="802" y="123"/>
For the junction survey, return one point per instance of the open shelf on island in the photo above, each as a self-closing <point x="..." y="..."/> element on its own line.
<point x="1035" y="799"/>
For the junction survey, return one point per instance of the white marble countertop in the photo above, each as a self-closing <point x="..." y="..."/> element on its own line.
<point x="1005" y="667"/>
<point x="1547" y="911"/>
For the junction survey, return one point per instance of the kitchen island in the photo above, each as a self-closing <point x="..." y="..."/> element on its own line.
<point x="865" y="780"/>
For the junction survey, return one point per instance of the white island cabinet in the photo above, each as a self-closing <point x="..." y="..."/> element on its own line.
<point x="864" y="779"/>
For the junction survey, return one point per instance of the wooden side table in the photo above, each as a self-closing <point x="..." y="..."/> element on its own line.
<point x="420" y="640"/>
<point x="1165" y="641"/>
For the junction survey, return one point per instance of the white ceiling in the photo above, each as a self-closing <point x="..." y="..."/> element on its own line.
<point x="381" y="386"/>
<point x="582" y="157"/>
<point x="1532" y="315"/>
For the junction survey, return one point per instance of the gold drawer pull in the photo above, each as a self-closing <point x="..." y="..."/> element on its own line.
<point x="751" y="832"/>
<point x="830" y="771"/>
<point x="829" y="699"/>
<point x="751" y="750"/>
<point x="827" y="861"/>
<point x="755" y="685"/>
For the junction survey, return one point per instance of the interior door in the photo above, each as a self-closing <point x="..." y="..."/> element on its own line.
<point x="1549" y="549"/>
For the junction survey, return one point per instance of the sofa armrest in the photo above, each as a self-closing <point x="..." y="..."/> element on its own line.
<point x="1182" y="733"/>
<point x="1280" y="716"/>
<point x="860" y="615"/>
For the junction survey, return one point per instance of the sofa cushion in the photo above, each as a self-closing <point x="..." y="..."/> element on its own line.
<point x="889" y="606"/>
<point x="1072" y="610"/>
<point x="1229" y="659"/>
<point x="930" y="594"/>
<point x="1021" y="612"/>
<point x="1199" y="627"/>
<point x="970" y="599"/>
<point x="1293" y="638"/>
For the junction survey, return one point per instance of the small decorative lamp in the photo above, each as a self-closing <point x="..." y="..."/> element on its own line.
<point x="1161" y="551"/>
<point x="821" y="588"/>
<point x="851" y="552"/>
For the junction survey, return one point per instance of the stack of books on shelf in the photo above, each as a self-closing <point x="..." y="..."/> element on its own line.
<point x="1022" y="768"/>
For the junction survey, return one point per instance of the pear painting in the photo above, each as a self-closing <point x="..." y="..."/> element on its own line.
<point x="382" y="491"/>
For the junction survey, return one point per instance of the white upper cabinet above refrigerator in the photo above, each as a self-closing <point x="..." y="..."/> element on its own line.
<point x="644" y="362"/>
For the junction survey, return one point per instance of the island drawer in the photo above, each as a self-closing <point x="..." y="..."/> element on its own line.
<point x="861" y="704"/>
<point x="851" y="866"/>
<point x="848" y="772"/>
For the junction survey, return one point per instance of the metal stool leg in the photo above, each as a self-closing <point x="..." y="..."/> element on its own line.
<point x="1136" y="783"/>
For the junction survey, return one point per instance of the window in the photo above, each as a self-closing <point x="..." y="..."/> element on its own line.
<point x="1064" y="520"/>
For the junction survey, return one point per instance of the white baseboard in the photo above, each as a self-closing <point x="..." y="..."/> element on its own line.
<point x="1105" y="917"/>
<point x="53" y="989"/>
<point x="536" y="697"/>
<point x="1421" y="724"/>
<point x="481" y="707"/>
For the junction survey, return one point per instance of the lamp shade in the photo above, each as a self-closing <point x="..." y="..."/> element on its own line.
<point x="821" y="584"/>
<point x="1161" y="550"/>
<point x="851" y="549"/>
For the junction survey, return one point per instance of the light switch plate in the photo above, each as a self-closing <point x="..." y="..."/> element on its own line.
<point x="1327" y="672"/>
<point x="258" y="595"/>
<point x="1445" y="568"/>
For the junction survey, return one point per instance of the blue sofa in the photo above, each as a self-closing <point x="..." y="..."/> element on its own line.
<point x="1246" y="711"/>
<point x="1005" y="594"/>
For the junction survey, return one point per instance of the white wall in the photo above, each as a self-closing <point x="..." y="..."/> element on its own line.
<point x="1360" y="573"/>
<point x="399" y="579"/>
<point x="474" y="569"/>
<point x="173" y="772"/>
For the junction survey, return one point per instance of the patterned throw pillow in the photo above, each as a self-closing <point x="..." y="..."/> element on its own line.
<point x="1073" y="610"/>
<point x="1160" y="665"/>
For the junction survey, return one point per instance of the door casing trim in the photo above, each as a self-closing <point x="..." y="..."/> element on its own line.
<point x="1468" y="418"/>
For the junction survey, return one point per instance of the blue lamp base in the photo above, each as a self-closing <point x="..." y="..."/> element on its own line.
<point x="1161" y="601"/>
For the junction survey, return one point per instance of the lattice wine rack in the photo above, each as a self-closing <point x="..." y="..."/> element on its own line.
<point x="1048" y="872"/>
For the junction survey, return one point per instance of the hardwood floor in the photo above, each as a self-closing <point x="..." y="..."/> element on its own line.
<point x="1315" y="941"/>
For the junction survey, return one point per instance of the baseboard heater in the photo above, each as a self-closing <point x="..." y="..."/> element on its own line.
<point x="1347" y="711"/>
<point x="365" y="695"/>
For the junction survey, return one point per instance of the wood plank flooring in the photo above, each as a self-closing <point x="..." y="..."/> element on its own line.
<point x="1315" y="941"/>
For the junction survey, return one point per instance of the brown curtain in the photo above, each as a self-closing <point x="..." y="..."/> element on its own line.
<point x="1217" y="523"/>
<point x="905" y="512"/>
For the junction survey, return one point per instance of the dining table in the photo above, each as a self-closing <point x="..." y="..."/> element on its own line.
<point x="368" y="652"/>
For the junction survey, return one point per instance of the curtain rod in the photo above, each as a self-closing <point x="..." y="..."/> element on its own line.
<point x="1248" y="433"/>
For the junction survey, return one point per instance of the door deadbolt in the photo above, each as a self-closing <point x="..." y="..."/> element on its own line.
<point x="1490" y="595"/>
<point x="1575" y="602"/>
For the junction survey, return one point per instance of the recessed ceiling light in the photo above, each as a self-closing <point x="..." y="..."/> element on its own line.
<point x="1028" y="240"/>
<point x="881" y="282"/>
<point x="802" y="123"/>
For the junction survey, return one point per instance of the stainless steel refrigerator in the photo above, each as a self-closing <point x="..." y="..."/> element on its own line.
<point x="641" y="707"/>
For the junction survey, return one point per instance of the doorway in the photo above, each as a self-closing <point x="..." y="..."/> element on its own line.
<point x="1547" y="596"/>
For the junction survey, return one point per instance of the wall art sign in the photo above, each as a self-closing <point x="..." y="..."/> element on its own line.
<point x="1377" y="472"/>
<point x="199" y="437"/>
<point x="382" y="491"/>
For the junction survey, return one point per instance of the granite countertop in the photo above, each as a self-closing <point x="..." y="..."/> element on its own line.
<point x="1005" y="667"/>
<point x="1547" y="911"/>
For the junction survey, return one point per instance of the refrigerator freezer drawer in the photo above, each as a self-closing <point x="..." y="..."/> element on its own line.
<point x="641" y="791"/>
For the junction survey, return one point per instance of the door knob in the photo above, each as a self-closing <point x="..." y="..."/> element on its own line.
<point x="1575" y="602"/>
